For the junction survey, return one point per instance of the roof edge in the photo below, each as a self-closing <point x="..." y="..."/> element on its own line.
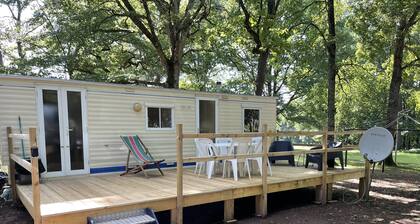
<point x="115" y="85"/>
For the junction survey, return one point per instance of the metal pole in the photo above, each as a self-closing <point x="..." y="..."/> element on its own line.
<point x="396" y="138"/>
<point x="21" y="141"/>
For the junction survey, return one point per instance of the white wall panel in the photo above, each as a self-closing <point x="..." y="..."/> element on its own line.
<point x="15" y="102"/>
<point x="110" y="114"/>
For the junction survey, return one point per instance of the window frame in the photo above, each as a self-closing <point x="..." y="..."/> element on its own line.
<point x="160" y="106"/>
<point x="259" y="118"/>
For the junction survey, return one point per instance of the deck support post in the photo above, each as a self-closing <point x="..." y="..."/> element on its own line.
<point x="173" y="215"/>
<point x="179" y="172"/>
<point x="229" y="211"/>
<point x="366" y="181"/>
<point x="261" y="201"/>
<point x="12" y="164"/>
<point x="318" y="194"/>
<point x="258" y="205"/>
<point x="362" y="187"/>
<point x="329" y="191"/>
<point x="324" y="187"/>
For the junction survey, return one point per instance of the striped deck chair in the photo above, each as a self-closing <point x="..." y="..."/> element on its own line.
<point x="141" y="153"/>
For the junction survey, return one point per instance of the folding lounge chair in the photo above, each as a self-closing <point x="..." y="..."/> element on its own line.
<point x="141" y="153"/>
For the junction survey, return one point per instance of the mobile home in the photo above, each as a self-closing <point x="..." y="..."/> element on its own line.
<point x="79" y="123"/>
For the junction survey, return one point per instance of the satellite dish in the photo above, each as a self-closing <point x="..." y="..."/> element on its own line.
<point x="376" y="144"/>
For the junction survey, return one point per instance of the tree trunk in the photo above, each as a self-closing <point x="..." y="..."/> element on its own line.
<point x="173" y="70"/>
<point x="269" y="81"/>
<point x="332" y="67"/>
<point x="261" y="72"/>
<point x="1" y="59"/>
<point x="70" y="71"/>
<point x="394" y="101"/>
<point x="20" y="50"/>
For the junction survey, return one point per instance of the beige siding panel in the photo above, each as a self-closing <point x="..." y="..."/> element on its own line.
<point x="269" y="115"/>
<point x="231" y="115"/>
<point x="14" y="102"/>
<point x="111" y="115"/>
<point x="107" y="87"/>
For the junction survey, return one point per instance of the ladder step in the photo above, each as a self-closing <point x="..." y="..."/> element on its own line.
<point x="141" y="216"/>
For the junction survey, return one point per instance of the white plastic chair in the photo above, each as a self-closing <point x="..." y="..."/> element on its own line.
<point x="224" y="149"/>
<point x="243" y="148"/>
<point x="234" y="162"/>
<point x="255" y="148"/>
<point x="209" y="149"/>
<point x="212" y="149"/>
<point x="201" y="151"/>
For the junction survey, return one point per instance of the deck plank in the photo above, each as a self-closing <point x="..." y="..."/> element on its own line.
<point x="76" y="197"/>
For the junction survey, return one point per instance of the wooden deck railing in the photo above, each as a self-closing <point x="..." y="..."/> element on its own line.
<point x="32" y="167"/>
<point x="261" y="200"/>
<point x="177" y="214"/>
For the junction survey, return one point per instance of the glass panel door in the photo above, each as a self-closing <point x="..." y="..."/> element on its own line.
<point x="75" y="130"/>
<point x="63" y="135"/>
<point x="50" y="107"/>
<point x="207" y="116"/>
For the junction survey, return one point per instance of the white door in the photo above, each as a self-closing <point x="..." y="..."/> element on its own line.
<point x="206" y="114"/>
<point x="63" y="136"/>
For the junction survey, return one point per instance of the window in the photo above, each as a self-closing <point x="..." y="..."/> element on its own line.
<point x="159" y="117"/>
<point x="251" y="120"/>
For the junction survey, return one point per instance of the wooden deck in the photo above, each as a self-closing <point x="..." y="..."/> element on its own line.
<point x="72" y="199"/>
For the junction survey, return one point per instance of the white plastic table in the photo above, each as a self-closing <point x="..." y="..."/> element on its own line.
<point x="222" y="149"/>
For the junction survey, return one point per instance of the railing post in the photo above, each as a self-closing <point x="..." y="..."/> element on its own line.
<point x="36" y="190"/>
<point x="324" y="167"/>
<point x="261" y="202"/>
<point x="179" y="172"/>
<point x="12" y="164"/>
<point x="32" y="137"/>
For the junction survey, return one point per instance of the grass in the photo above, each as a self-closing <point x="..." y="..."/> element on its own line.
<point x="405" y="161"/>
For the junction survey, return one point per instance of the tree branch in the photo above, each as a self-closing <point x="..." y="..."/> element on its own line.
<point x="136" y="18"/>
<point x="248" y="25"/>
<point x="412" y="63"/>
<point x="413" y="18"/>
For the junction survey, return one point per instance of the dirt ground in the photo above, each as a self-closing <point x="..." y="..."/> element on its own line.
<point x="394" y="198"/>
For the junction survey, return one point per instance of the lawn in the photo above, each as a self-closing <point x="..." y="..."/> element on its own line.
<point x="406" y="161"/>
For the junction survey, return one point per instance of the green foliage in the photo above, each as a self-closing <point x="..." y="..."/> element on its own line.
<point x="94" y="40"/>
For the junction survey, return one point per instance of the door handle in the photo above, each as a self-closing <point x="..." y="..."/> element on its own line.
<point x="70" y="129"/>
